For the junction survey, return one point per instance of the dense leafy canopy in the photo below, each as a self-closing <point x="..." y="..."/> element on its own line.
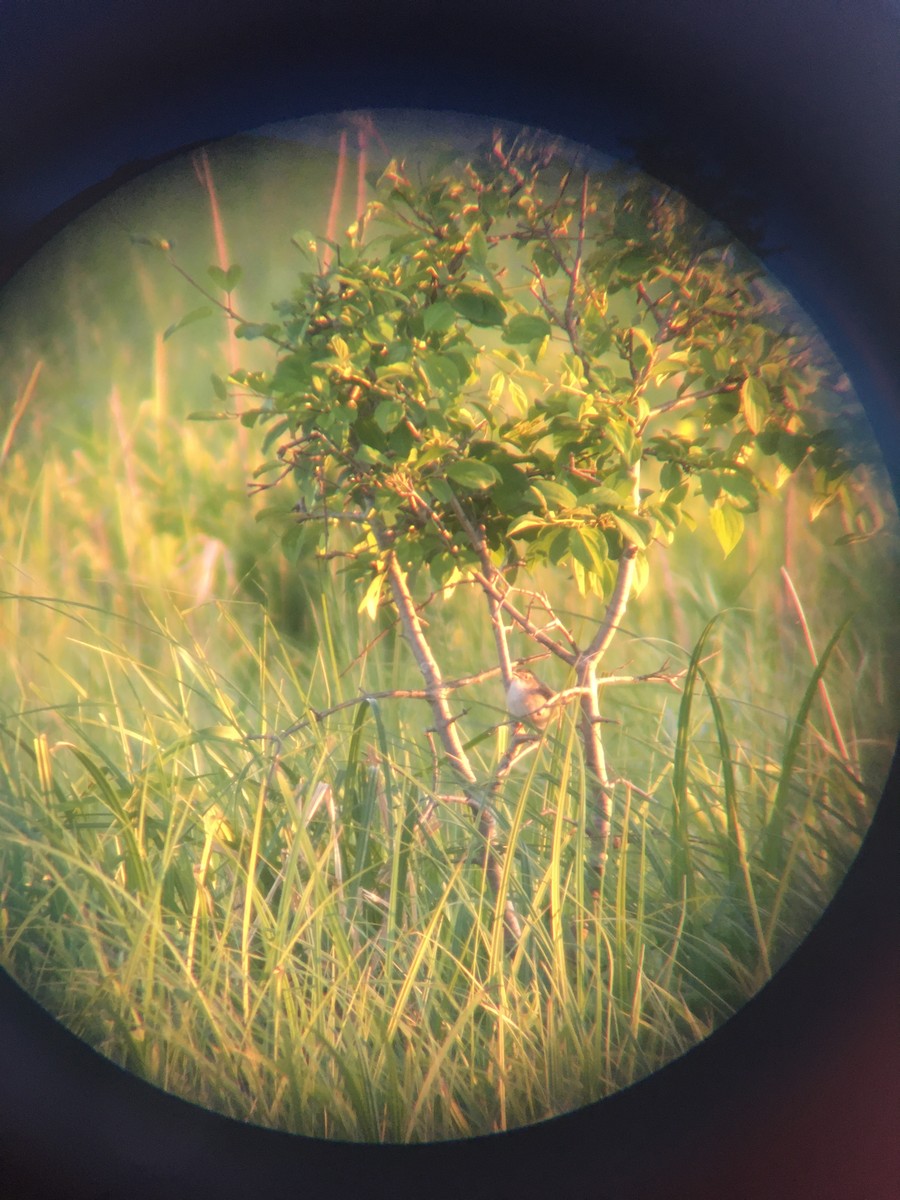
<point x="554" y="359"/>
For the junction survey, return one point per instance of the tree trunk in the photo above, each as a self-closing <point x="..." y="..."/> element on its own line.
<point x="445" y="727"/>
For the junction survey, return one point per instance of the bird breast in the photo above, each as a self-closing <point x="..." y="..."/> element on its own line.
<point x="524" y="701"/>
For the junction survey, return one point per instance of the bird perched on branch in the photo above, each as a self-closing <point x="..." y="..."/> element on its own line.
<point x="527" y="699"/>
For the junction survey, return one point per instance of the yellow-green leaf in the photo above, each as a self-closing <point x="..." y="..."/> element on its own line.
<point x="519" y="526"/>
<point x="369" y="602"/>
<point x="754" y="402"/>
<point x="589" y="548"/>
<point x="728" y="526"/>
<point x="554" y="495"/>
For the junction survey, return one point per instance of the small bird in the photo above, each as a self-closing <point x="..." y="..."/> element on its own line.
<point x="527" y="699"/>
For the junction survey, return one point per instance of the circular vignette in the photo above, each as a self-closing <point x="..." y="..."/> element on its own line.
<point x="614" y="236"/>
<point x="838" y="924"/>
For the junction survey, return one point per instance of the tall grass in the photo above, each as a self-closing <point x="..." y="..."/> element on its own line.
<point x="283" y="917"/>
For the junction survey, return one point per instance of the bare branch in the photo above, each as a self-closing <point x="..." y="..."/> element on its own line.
<point x="575" y="276"/>
<point x="255" y="488"/>
<point x="476" y="540"/>
<point x="687" y="398"/>
<point x="615" y="610"/>
<point x="353" y="518"/>
<point x="521" y="620"/>
<point x="436" y="691"/>
<point x="660" y="675"/>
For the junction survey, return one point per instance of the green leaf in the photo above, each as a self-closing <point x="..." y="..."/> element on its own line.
<point x="478" y="306"/>
<point x="388" y="415"/>
<point x="431" y="451"/>
<point x="755" y="402"/>
<point x="440" y="489"/>
<point x="558" y="545"/>
<point x="226" y="280"/>
<point x="601" y="497"/>
<point x="472" y="475"/>
<point x="545" y="262"/>
<point x="641" y="574"/>
<point x="462" y="355"/>
<point x="724" y="408"/>
<point x="478" y="247"/>
<point x="622" y="437"/>
<point x="438" y="318"/>
<point x="250" y="330"/>
<point x="589" y="547"/>
<point x="397" y="370"/>
<point x="740" y="487"/>
<point x="271" y="512"/>
<point x="641" y="348"/>
<point x="196" y="314"/>
<point x="580" y="576"/>
<point x="444" y="570"/>
<point x="521" y="524"/>
<point x="275" y="432"/>
<point x="292" y="374"/>
<point x="636" y="529"/>
<point x="710" y="485"/>
<point x="207" y="415"/>
<point x="728" y="526"/>
<point x="442" y="373"/>
<point x="218" y="386"/>
<point x="554" y="495"/>
<point x="825" y="448"/>
<point x="370" y="456"/>
<point x="670" y="475"/>
<point x="671" y="365"/>
<point x="636" y="264"/>
<point x="792" y="449"/>
<point x="524" y="328"/>
<point x="668" y="515"/>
